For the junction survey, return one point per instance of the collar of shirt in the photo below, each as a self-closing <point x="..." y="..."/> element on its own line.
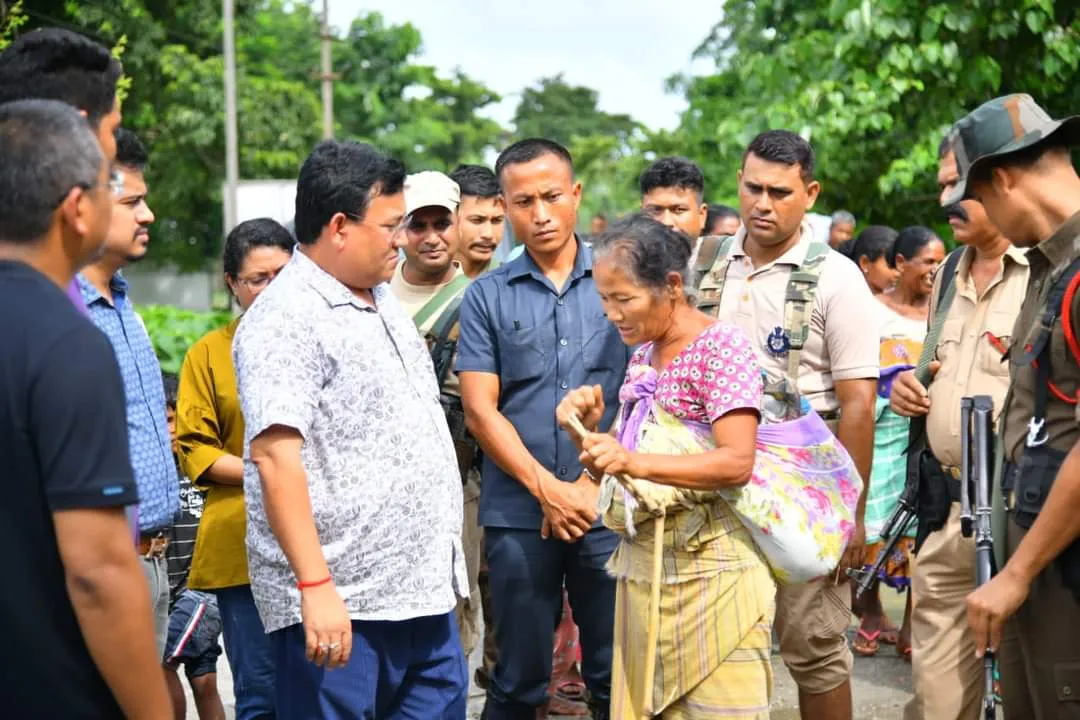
<point x="1013" y="255"/>
<point x="794" y="257"/>
<point x="1062" y="247"/>
<point x="333" y="291"/>
<point x="399" y="273"/>
<point x="118" y="284"/>
<point x="524" y="266"/>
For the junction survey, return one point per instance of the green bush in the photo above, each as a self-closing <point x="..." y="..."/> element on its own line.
<point x="173" y="330"/>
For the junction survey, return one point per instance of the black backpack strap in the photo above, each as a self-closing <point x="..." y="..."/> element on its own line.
<point x="1035" y="346"/>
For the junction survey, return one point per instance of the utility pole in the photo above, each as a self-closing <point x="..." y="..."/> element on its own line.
<point x="232" y="161"/>
<point x="327" y="75"/>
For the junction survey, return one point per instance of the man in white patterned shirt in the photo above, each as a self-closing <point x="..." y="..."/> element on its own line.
<point x="353" y="493"/>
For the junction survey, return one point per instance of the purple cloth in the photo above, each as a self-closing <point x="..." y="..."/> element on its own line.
<point x="804" y="431"/>
<point x="637" y="399"/>
<point x="887" y="377"/>
<point x="75" y="295"/>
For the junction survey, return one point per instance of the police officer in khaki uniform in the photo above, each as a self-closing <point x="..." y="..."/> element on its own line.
<point x="989" y="279"/>
<point x="814" y="349"/>
<point x="1015" y="160"/>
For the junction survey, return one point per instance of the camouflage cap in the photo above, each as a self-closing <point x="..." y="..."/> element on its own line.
<point x="1002" y="126"/>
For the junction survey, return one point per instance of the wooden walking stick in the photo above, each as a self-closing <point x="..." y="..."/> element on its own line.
<point x="657" y="572"/>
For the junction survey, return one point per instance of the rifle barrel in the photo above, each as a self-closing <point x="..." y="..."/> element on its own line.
<point x="979" y="426"/>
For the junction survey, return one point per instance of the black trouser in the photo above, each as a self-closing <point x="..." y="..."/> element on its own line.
<point x="526" y="576"/>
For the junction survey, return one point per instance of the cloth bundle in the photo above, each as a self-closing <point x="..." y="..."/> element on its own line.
<point x="799" y="505"/>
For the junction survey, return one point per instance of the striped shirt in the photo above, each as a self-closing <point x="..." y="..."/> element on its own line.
<point x="182" y="537"/>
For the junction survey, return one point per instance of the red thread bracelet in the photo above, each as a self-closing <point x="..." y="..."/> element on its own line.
<point x="301" y="585"/>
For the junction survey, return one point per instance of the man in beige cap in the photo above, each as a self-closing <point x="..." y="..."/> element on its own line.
<point x="431" y="284"/>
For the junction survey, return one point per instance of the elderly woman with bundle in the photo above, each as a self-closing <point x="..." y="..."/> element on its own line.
<point x="687" y="429"/>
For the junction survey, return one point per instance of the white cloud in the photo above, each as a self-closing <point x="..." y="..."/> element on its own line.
<point x="623" y="49"/>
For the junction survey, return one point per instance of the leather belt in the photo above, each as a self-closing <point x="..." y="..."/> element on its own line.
<point x="153" y="546"/>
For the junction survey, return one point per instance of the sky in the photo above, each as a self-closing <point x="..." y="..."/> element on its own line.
<point x="624" y="49"/>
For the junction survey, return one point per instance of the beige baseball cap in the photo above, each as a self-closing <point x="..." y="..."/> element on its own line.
<point x="431" y="189"/>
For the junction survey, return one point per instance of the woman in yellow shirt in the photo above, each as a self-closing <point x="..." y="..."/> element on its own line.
<point x="210" y="439"/>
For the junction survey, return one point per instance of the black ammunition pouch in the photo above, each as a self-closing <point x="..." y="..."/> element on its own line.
<point x="1026" y="485"/>
<point x="935" y="495"/>
<point x="465" y="446"/>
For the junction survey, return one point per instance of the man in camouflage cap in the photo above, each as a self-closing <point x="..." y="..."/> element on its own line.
<point x="1015" y="159"/>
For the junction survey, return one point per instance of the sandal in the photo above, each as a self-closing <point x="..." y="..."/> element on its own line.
<point x="564" y="706"/>
<point x="572" y="690"/>
<point x="870" y="647"/>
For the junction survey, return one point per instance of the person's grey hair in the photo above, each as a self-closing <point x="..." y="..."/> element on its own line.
<point x="843" y="216"/>
<point x="46" y="149"/>
<point x="647" y="251"/>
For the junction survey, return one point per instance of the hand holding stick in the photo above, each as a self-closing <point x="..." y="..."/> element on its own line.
<point x="575" y="425"/>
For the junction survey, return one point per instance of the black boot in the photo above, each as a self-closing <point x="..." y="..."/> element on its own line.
<point x="600" y="711"/>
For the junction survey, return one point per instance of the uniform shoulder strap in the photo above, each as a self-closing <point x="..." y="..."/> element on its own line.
<point x="709" y="270"/>
<point x="443" y="338"/>
<point x="947" y="290"/>
<point x="709" y="250"/>
<point x="452" y="288"/>
<point x="801" y="289"/>
<point x="946" y="293"/>
<point x="1059" y="301"/>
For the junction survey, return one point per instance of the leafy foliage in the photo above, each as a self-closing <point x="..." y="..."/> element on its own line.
<point x="175" y="100"/>
<point x="606" y="147"/>
<point x="11" y="19"/>
<point x="874" y="85"/>
<point x="173" y="331"/>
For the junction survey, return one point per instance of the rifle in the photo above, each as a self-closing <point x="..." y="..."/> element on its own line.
<point x="976" y="471"/>
<point x="895" y="528"/>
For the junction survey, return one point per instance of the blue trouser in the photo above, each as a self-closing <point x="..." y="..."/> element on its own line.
<point x="249" y="652"/>
<point x="407" y="670"/>
<point x="526" y="575"/>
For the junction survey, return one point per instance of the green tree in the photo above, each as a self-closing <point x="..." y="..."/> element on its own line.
<point x="385" y="96"/>
<point x="607" y="148"/>
<point x="11" y="19"/>
<point x="175" y="100"/>
<point x="556" y="110"/>
<point x="874" y="85"/>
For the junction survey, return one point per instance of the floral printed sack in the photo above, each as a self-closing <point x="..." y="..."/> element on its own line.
<point x="799" y="505"/>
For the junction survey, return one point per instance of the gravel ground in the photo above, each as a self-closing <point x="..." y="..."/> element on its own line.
<point x="881" y="684"/>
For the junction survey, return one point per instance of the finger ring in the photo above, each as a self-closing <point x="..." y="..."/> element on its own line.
<point x="324" y="647"/>
<point x="334" y="646"/>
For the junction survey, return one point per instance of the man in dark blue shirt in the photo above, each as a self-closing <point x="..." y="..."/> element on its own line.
<point x="531" y="330"/>
<point x="75" y="604"/>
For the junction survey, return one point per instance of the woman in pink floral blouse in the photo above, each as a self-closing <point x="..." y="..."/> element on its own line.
<point x="687" y="429"/>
